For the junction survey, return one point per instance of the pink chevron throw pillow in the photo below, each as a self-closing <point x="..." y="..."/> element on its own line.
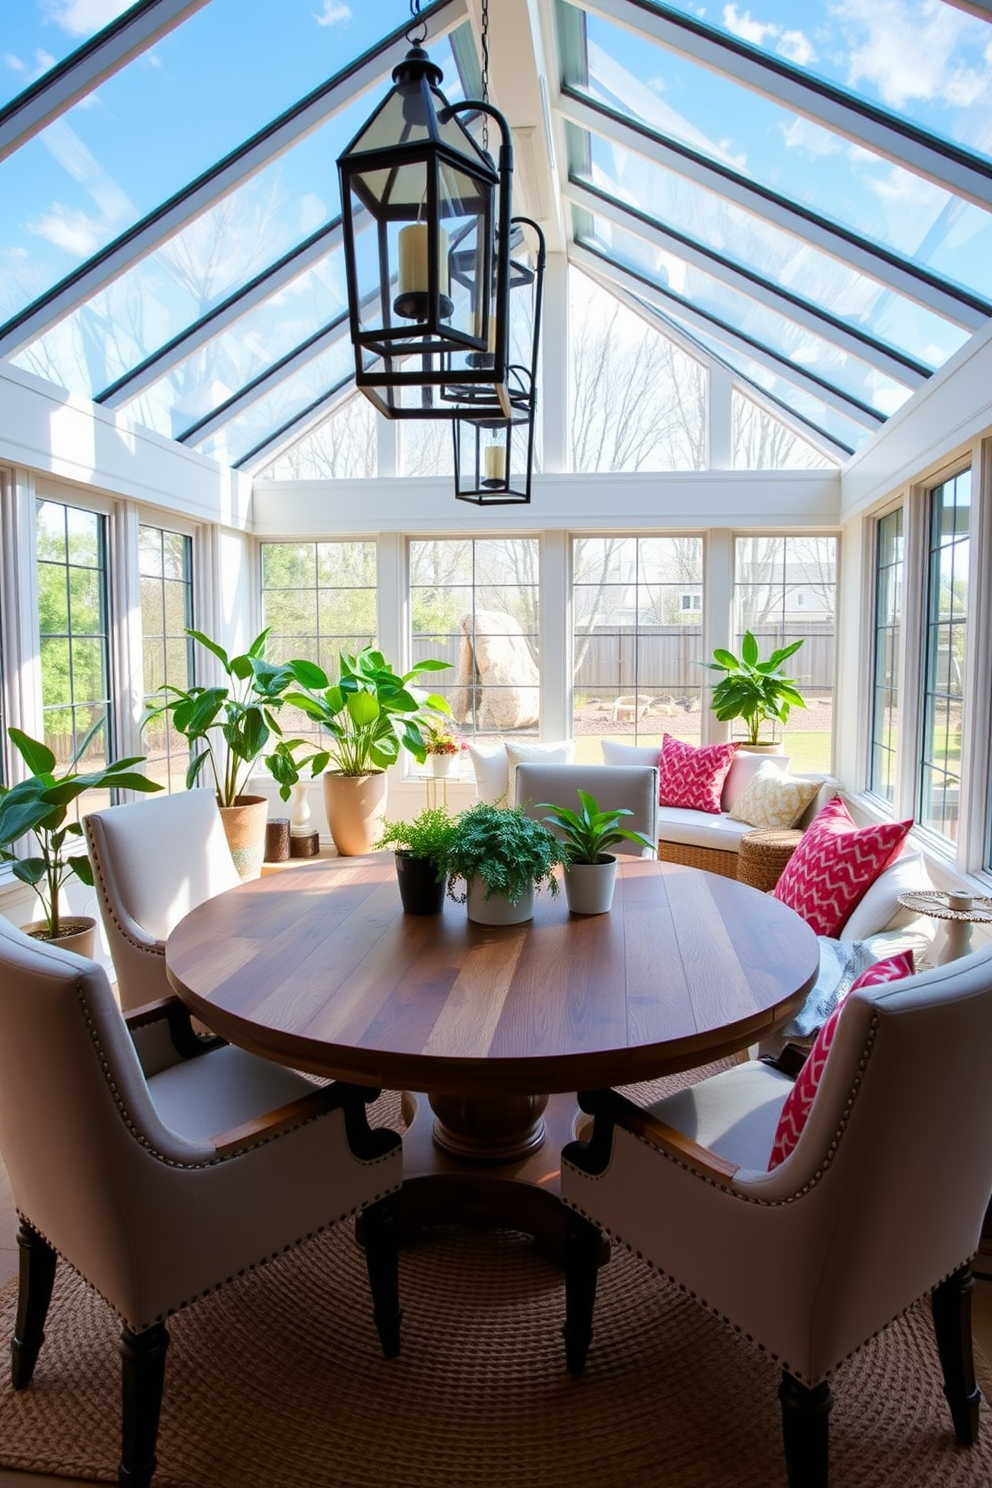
<point x="692" y="777"/>
<point x="800" y="1098"/>
<point x="835" y="864"/>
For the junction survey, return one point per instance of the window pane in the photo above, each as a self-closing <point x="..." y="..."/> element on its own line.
<point x="763" y="442"/>
<point x="785" y="591"/>
<point x="637" y="640"/>
<point x="343" y="447"/>
<point x="165" y="563"/>
<point x="888" y="640"/>
<point x="946" y="637"/>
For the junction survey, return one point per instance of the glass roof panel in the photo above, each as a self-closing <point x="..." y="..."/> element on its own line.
<point x="276" y="408"/>
<point x="792" y="342"/>
<point x="924" y="60"/>
<point x="37" y="36"/>
<point x="211" y="258"/>
<point x="777" y="256"/>
<point x="762" y="140"/>
<point x="158" y="123"/>
<point x="232" y="359"/>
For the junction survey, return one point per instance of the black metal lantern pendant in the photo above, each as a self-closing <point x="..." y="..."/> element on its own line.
<point x="427" y="267"/>
<point x="494" y="455"/>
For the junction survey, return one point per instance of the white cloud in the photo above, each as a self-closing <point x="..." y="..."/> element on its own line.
<point x="746" y="28"/>
<point x="74" y="232"/>
<point x="83" y="17"/>
<point x="914" y="49"/>
<point x="803" y="134"/>
<point x="796" y="47"/>
<point x="14" y="63"/>
<point x="333" y="13"/>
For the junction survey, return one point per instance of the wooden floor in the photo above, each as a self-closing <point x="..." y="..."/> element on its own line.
<point x="8" y="1268"/>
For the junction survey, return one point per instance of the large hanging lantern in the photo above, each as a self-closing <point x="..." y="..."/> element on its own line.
<point x="494" y="454"/>
<point x="427" y="268"/>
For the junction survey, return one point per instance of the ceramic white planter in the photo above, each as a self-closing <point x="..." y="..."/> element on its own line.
<point x="773" y="748"/>
<point x="442" y="764"/>
<point x="589" y="886"/>
<point x="497" y="910"/>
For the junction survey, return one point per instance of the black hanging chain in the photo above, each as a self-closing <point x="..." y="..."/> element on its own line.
<point x="416" y="24"/>
<point x="485" y="72"/>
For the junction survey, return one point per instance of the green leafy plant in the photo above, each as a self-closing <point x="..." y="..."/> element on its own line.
<point x="587" y="835"/>
<point x="429" y="835"/>
<point x="752" y="690"/>
<point x="440" y="740"/>
<point x="371" y="712"/>
<point x="229" y="727"/>
<point x="506" y="849"/>
<point x="40" y="805"/>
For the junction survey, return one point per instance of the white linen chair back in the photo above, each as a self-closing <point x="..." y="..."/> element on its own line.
<point x="614" y="786"/>
<point x="154" y="861"/>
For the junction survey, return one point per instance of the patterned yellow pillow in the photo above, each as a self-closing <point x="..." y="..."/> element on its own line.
<point x="774" y="799"/>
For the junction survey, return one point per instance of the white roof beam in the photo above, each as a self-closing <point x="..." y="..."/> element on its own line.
<point x="947" y="165"/>
<point x="980" y="8"/>
<point x="911" y="374"/>
<point x="331" y="98"/>
<point x="595" y="263"/>
<point x="901" y="276"/>
<point x="87" y="67"/>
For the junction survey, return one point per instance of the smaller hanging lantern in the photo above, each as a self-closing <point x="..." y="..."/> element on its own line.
<point x="427" y="272"/>
<point x="494" y="455"/>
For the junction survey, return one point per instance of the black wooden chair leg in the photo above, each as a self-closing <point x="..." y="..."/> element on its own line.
<point x="951" y="1303"/>
<point x="142" y="1378"/>
<point x="805" y="1431"/>
<point x="380" y="1236"/>
<point x="37" y="1264"/>
<point x="583" y="1243"/>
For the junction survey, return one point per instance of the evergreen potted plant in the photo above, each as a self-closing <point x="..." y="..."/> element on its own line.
<point x="586" y="836"/>
<point x="421" y="849"/>
<point x="40" y="805"/>
<point x="371" y="713"/>
<point x="504" y="856"/>
<point x="227" y="729"/>
<point x="754" y="691"/>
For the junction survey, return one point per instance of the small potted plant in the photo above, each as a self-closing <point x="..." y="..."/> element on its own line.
<point x="504" y="856"/>
<point x="586" y="836"/>
<point x="40" y="805"/>
<point x="443" y="747"/>
<point x="421" y="847"/>
<point x="754" y="691"/>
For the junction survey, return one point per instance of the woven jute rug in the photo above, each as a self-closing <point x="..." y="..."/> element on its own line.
<point x="277" y="1382"/>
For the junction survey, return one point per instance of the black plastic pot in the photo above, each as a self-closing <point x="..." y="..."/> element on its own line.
<point x="419" y="889"/>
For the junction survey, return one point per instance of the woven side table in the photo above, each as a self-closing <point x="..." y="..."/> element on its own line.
<point x="763" y="854"/>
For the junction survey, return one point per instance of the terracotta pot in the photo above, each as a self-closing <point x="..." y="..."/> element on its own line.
<point x="419" y="888"/>
<point x="589" y="886"/>
<point x="497" y="909"/>
<point x="244" y="826"/>
<point x="356" y="810"/>
<point x="78" y="934"/>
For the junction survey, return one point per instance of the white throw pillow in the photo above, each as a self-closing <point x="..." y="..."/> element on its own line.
<point x="744" y="767"/>
<point x="880" y="905"/>
<point x="615" y="753"/>
<point x="495" y="765"/>
<point x="774" y="800"/>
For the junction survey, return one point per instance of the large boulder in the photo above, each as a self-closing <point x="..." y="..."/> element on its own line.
<point x="497" y="671"/>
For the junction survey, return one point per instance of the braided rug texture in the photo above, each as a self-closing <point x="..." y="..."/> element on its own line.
<point x="277" y="1382"/>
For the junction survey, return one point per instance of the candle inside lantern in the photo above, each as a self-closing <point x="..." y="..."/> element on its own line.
<point x="413" y="250"/>
<point x="495" y="462"/>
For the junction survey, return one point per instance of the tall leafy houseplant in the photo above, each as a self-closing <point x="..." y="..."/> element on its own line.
<point x="41" y="804"/>
<point x="371" y="713"/>
<point x="752" y="690"/>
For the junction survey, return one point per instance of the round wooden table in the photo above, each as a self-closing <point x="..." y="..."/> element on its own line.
<point x="317" y="967"/>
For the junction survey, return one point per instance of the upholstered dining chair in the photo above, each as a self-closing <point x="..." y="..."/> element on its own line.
<point x="149" y="869"/>
<point x="632" y="786"/>
<point x="157" y="1187"/>
<point x="879" y="1203"/>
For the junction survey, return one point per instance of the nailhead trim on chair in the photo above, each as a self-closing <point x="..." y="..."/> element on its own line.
<point x="148" y="950"/>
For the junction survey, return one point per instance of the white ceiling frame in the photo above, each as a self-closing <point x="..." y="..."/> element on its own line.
<point x="205" y="330"/>
<point x="801" y="313"/>
<point x="87" y="67"/>
<point x="923" y="289"/>
<point x="156" y="228"/>
<point x="337" y="330"/>
<point x="980" y="8"/>
<point x="596" y="264"/>
<point x="949" y="166"/>
<point x="657" y="320"/>
<point x="305" y="423"/>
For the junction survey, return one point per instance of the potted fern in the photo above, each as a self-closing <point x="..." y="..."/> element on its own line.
<point x="586" y="837"/>
<point x="503" y="856"/>
<point x="421" y="848"/>
<point x="755" y="691"/>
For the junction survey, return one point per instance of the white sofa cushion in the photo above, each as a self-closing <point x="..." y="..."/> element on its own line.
<point x="774" y="799"/>
<point x="745" y="768"/>
<point x="700" y="828"/>
<point x="495" y="765"/>
<point x="615" y="753"/>
<point x="879" y="909"/>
